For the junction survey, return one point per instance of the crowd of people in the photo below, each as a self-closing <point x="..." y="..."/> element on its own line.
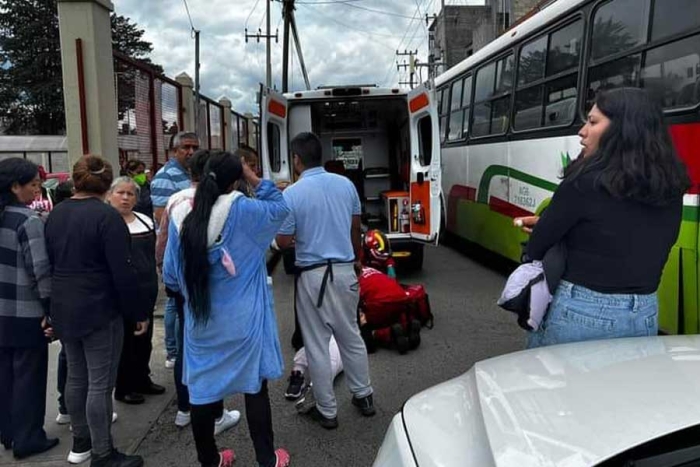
<point x="87" y="273"/>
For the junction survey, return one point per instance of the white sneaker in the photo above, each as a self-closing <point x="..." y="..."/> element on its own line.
<point x="63" y="419"/>
<point x="170" y="363"/>
<point x="182" y="419"/>
<point x="229" y="419"/>
<point x="79" y="457"/>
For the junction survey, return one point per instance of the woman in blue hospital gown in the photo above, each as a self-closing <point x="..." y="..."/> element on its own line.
<point x="215" y="258"/>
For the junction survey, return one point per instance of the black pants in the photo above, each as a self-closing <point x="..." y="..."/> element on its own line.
<point x="134" y="370"/>
<point x="183" y="394"/>
<point x="259" y="416"/>
<point x="61" y="378"/>
<point x="23" y="374"/>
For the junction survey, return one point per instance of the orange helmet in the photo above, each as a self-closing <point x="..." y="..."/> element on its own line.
<point x="377" y="246"/>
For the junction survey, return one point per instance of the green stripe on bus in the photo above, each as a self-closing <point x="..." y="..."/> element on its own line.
<point x="691" y="213"/>
<point x="495" y="170"/>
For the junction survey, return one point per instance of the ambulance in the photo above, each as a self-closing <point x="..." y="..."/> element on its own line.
<point x="386" y="141"/>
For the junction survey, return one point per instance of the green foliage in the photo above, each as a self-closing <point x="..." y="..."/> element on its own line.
<point x="31" y="81"/>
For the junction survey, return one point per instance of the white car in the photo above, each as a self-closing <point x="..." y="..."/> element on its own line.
<point x="584" y="404"/>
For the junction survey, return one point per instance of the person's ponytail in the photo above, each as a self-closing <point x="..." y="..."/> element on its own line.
<point x="220" y="172"/>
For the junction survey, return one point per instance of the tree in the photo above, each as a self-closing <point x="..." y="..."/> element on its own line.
<point x="31" y="80"/>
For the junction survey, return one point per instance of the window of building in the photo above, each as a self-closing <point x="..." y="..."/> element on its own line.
<point x="619" y="25"/>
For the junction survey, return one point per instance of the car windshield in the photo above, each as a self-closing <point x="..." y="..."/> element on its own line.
<point x="679" y="449"/>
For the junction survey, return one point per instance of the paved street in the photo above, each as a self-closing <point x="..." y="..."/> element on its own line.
<point x="468" y="327"/>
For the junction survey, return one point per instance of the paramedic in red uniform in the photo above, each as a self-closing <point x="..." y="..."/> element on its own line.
<point x="325" y="224"/>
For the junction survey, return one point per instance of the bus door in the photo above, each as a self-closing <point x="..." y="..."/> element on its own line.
<point x="425" y="176"/>
<point x="274" y="138"/>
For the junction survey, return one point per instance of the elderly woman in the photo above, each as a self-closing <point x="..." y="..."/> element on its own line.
<point x="26" y="277"/>
<point x="94" y="287"/>
<point x="133" y="378"/>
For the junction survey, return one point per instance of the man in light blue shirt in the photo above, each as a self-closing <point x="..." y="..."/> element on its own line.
<point x="324" y="225"/>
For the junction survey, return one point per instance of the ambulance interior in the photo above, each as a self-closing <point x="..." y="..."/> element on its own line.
<point x="367" y="140"/>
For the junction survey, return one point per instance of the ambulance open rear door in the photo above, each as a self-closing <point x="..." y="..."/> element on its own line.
<point x="425" y="176"/>
<point x="274" y="138"/>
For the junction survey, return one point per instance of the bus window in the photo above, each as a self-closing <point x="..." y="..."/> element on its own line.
<point x="466" y="104"/>
<point x="552" y="103"/>
<point x="619" y="25"/>
<point x="672" y="73"/>
<point x="274" y="143"/>
<point x="425" y="140"/>
<point x="443" y="109"/>
<point x="532" y="60"/>
<point x="564" y="48"/>
<point x="622" y="72"/>
<point x="560" y="101"/>
<point x="528" y="109"/>
<point x="456" y="113"/>
<point x="674" y="16"/>
<point x="494" y="80"/>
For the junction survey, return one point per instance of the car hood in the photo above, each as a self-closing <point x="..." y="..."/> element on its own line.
<point x="567" y="405"/>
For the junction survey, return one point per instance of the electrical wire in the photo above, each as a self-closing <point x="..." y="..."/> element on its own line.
<point x="326" y="2"/>
<point x="381" y="12"/>
<point x="251" y="13"/>
<point x="351" y="27"/>
<point x="187" y="8"/>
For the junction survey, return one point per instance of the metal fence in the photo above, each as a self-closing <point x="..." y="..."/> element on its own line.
<point x="149" y="111"/>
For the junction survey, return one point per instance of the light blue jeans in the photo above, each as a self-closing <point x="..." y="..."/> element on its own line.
<point x="170" y="322"/>
<point x="580" y="314"/>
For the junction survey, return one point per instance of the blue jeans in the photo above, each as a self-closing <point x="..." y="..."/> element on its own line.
<point x="580" y="314"/>
<point x="170" y="320"/>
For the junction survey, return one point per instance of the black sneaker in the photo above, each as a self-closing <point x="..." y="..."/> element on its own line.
<point x="296" y="385"/>
<point x="365" y="405"/>
<point x="398" y="337"/>
<point x="117" y="459"/>
<point x="318" y="417"/>
<point x="414" y="334"/>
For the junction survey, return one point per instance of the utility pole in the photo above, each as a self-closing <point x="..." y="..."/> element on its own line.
<point x="268" y="37"/>
<point x="196" y="80"/>
<point x="410" y="65"/>
<point x="291" y="23"/>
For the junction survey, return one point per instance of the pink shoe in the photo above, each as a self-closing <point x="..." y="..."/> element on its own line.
<point x="227" y="458"/>
<point x="283" y="459"/>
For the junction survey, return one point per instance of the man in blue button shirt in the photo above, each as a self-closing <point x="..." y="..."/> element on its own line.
<point x="324" y="225"/>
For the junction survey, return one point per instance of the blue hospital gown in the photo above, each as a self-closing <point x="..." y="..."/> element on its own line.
<point x="239" y="346"/>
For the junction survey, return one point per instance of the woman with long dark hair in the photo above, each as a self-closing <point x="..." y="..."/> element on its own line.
<point x="25" y="274"/>
<point x="215" y="258"/>
<point x="618" y="212"/>
<point x="94" y="290"/>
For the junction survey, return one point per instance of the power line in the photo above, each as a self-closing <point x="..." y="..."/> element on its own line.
<point x="351" y="27"/>
<point x="381" y="12"/>
<point x="327" y="2"/>
<point x="187" y="8"/>
<point x="408" y="28"/>
<point x="251" y="12"/>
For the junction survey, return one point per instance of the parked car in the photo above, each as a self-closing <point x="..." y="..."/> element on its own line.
<point x="601" y="403"/>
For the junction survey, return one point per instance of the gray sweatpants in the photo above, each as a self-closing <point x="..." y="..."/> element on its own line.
<point x="92" y="371"/>
<point x="337" y="317"/>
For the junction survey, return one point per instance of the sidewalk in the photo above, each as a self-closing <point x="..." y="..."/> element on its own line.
<point x="134" y="421"/>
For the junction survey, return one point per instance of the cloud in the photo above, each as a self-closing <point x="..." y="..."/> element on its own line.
<point x="342" y="43"/>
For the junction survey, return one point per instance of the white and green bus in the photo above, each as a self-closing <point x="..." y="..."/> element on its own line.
<point x="509" y="115"/>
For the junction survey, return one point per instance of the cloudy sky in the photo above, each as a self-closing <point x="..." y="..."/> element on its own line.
<point x="343" y="42"/>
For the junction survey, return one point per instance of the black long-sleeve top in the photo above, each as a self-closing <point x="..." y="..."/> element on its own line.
<point x="613" y="245"/>
<point x="94" y="280"/>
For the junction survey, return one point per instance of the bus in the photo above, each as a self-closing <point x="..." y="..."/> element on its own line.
<point x="386" y="141"/>
<point x="510" y="114"/>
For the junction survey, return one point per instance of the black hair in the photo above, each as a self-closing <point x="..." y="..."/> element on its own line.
<point x="133" y="165"/>
<point x="221" y="171"/>
<point x="196" y="164"/>
<point x="635" y="158"/>
<point x="308" y="147"/>
<point x="63" y="191"/>
<point x="14" y="170"/>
